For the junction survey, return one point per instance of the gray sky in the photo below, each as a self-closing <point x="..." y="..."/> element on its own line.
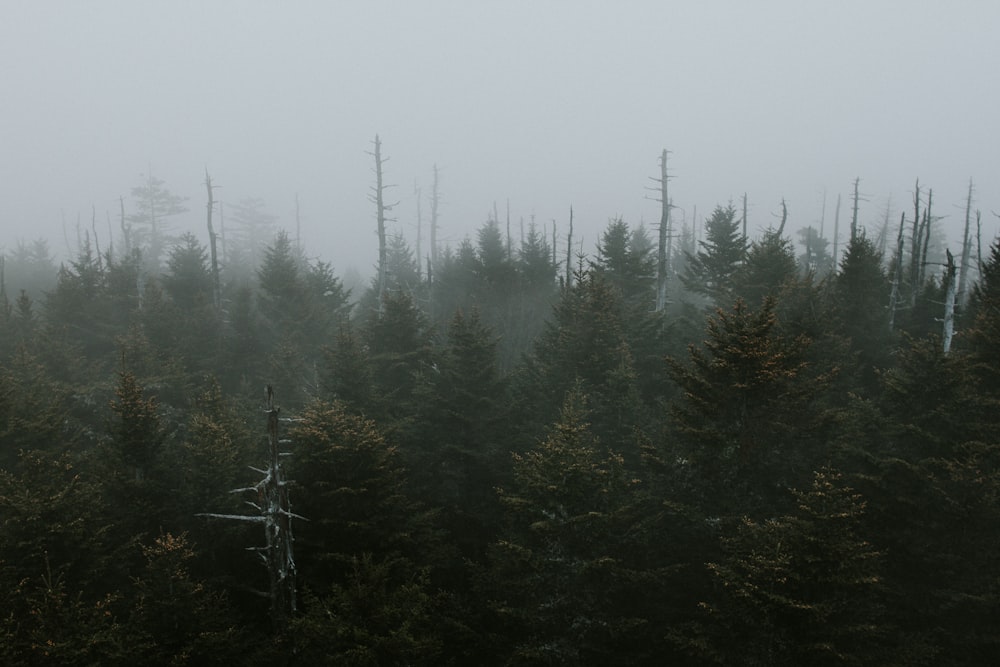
<point x="546" y="104"/>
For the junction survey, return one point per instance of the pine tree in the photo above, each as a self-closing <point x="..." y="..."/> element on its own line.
<point x="559" y="574"/>
<point x="801" y="589"/>
<point x="712" y="271"/>
<point x="745" y="418"/>
<point x="861" y="296"/>
<point x="769" y="268"/>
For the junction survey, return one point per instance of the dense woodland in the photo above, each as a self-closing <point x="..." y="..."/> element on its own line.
<point x="757" y="451"/>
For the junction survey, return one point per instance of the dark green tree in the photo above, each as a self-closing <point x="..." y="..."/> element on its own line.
<point x="769" y="268"/>
<point x="711" y="272"/>
<point x="560" y="573"/>
<point x="801" y="589"/>
<point x="861" y="297"/>
<point x="745" y="418"/>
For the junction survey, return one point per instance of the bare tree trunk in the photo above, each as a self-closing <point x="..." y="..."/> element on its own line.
<point x="435" y="202"/>
<point x="554" y="262"/>
<point x="979" y="241"/>
<point x="963" y="275"/>
<point x="274" y="512"/>
<point x="927" y="238"/>
<point x="664" y="235"/>
<point x="222" y="234"/>
<point x="381" y="208"/>
<point x="111" y="237"/>
<point x="854" y="214"/>
<point x="949" y="303"/>
<point x="784" y="217"/>
<point x="509" y="255"/>
<point x="125" y="228"/>
<point x="915" y="245"/>
<point x="897" y="274"/>
<point x="97" y="243"/>
<point x="569" y="250"/>
<point x="298" y="227"/>
<point x="836" y="234"/>
<point x="744" y="219"/>
<point x="216" y="285"/>
<point x="420" y="224"/>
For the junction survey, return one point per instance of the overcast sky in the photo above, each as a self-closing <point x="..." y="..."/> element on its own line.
<point x="545" y="104"/>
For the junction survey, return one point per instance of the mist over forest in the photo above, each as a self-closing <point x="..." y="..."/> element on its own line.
<point x="467" y="334"/>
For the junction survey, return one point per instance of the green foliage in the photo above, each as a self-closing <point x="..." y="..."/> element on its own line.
<point x="769" y="267"/>
<point x="625" y="260"/>
<point x="352" y="491"/>
<point x="375" y="617"/>
<point x="801" y="589"/>
<point x="860" y="296"/>
<point x="646" y="518"/>
<point x="560" y="570"/>
<point x="711" y="272"/>
<point x="176" y="620"/>
<point x="743" y="418"/>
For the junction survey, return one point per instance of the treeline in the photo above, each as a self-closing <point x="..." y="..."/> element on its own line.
<point x="502" y="461"/>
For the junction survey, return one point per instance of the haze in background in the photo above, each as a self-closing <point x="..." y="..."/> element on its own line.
<point x="542" y="104"/>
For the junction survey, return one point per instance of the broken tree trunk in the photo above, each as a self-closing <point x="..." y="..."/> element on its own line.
<point x="210" y="206"/>
<point x="949" y="303"/>
<point x="274" y="512"/>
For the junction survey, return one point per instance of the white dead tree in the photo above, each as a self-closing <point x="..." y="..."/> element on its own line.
<point x="963" y="274"/>
<point x="569" y="250"/>
<point x="949" y="302"/>
<point x="377" y="197"/>
<point x="212" y="239"/>
<point x="665" y="233"/>
<point x="273" y="511"/>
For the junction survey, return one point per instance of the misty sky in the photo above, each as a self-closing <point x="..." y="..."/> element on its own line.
<point x="545" y="104"/>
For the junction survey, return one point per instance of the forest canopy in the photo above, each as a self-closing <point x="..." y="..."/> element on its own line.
<point x="687" y="446"/>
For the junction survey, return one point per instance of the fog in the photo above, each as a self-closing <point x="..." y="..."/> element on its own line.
<point x="542" y="105"/>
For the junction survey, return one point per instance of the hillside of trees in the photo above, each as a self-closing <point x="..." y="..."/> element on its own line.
<point x="757" y="451"/>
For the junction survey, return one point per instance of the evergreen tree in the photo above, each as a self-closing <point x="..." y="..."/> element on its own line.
<point x="860" y="295"/>
<point x="769" y="267"/>
<point x="149" y="226"/>
<point x="802" y="589"/>
<point x="744" y="417"/>
<point x="188" y="281"/>
<point x="711" y="272"/>
<point x="625" y="259"/>
<point x="560" y="572"/>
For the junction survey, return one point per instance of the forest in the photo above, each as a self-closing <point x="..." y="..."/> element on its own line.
<point x="678" y="447"/>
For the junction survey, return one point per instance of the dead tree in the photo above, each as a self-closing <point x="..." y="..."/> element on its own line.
<point x="420" y="224"/>
<point x="126" y="228"/>
<point x="949" y="302"/>
<point x="744" y="219"/>
<point x="662" y="251"/>
<point x="784" y="217"/>
<point x="897" y="274"/>
<point x="963" y="274"/>
<point x="435" y="207"/>
<point x="377" y="197"/>
<point x="210" y="206"/>
<point x="836" y="232"/>
<point x="915" y="245"/>
<point x="273" y="511"/>
<point x="926" y="242"/>
<point x="298" y="227"/>
<point x="569" y="250"/>
<point x="854" y="213"/>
